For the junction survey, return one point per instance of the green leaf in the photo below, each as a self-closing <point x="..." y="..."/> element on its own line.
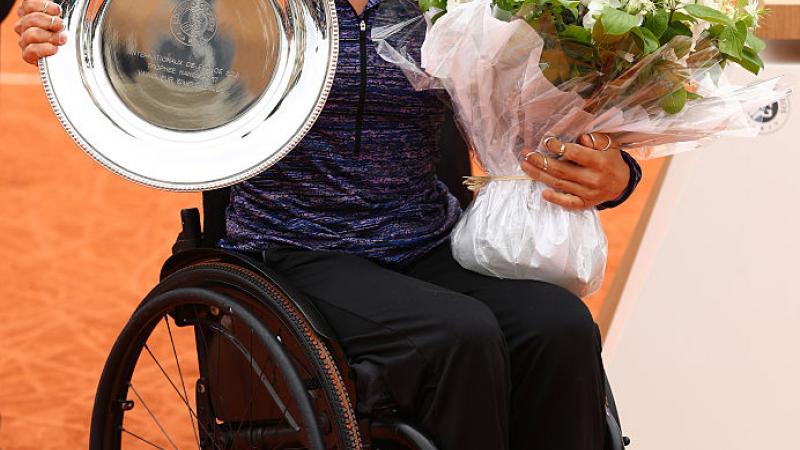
<point x="674" y="103"/>
<point x="510" y="6"/>
<point x="748" y="21"/>
<point x="437" y="16"/>
<point x="600" y="36"/>
<point x="648" y="40"/>
<point x="577" y="33"/>
<point x="750" y="61"/>
<point x="679" y="16"/>
<point x="571" y="4"/>
<point x="716" y="30"/>
<point x="657" y="22"/>
<point x="708" y="14"/>
<point x="424" y="5"/>
<point x="731" y="41"/>
<point x="675" y="29"/>
<point x="754" y="43"/>
<point x="693" y="96"/>
<point x="616" y="22"/>
<point x="750" y="56"/>
<point x="439" y="4"/>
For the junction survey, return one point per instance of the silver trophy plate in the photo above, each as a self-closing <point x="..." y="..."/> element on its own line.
<point x="191" y="94"/>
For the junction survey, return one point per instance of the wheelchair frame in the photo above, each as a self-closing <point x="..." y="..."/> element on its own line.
<point x="195" y="248"/>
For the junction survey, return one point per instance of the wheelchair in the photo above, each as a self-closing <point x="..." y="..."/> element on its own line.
<point x="258" y="367"/>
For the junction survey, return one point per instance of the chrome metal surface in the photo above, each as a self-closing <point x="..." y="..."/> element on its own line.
<point x="191" y="94"/>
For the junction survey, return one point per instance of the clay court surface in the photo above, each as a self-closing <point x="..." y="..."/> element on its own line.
<point x="79" y="248"/>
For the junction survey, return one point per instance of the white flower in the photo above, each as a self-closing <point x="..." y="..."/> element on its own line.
<point x="710" y="3"/>
<point x="594" y="8"/>
<point x="752" y="9"/>
<point x="598" y="5"/>
<point x="639" y="7"/>
<point x="589" y="20"/>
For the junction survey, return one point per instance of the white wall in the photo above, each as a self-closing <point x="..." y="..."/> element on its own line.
<point x="704" y="350"/>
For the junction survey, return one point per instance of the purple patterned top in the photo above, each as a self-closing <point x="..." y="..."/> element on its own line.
<point x="363" y="180"/>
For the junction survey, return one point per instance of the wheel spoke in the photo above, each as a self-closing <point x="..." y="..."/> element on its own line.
<point x="185" y="397"/>
<point x="152" y="416"/>
<point x="252" y="395"/>
<point x="141" y="439"/>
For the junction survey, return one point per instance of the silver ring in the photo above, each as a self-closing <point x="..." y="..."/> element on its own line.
<point x="608" y="145"/>
<point x="594" y="141"/>
<point x="562" y="150"/>
<point x="544" y="158"/>
<point x="52" y="21"/>
<point x="546" y="140"/>
<point x="44" y="8"/>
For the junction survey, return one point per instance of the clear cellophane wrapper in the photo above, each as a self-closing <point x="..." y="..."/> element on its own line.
<point x="496" y="76"/>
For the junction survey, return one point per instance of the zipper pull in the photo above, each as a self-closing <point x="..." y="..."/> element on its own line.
<point x="363" y="25"/>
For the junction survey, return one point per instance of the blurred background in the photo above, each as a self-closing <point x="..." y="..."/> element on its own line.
<point x="698" y="307"/>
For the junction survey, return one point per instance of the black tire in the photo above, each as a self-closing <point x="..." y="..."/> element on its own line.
<point x="301" y="356"/>
<point x="614" y="437"/>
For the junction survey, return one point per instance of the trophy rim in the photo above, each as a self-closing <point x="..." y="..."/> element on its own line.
<point x="222" y="182"/>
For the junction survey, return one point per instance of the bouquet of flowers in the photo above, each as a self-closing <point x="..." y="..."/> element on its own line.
<point x="647" y="73"/>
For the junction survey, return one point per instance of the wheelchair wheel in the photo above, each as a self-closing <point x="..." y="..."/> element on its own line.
<point x="216" y="357"/>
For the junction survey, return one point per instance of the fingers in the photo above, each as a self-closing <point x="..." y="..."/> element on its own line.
<point x="40" y="36"/>
<point x="577" y="153"/>
<point x="33" y="52"/>
<point x="586" y="174"/>
<point x="565" y="200"/>
<point x="40" y="6"/>
<point x="39" y="20"/>
<point x="564" y="170"/>
<point x="39" y="29"/>
<point x="597" y="141"/>
<point x="556" y="183"/>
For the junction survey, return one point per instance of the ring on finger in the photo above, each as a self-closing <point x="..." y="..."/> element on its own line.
<point x="546" y="141"/>
<point x="529" y="154"/>
<point x="545" y="164"/>
<point x="608" y="145"/>
<point x="594" y="141"/>
<point x="52" y="21"/>
<point x="561" y="150"/>
<point x="46" y="4"/>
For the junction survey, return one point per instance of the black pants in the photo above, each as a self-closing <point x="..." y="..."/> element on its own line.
<point x="478" y="362"/>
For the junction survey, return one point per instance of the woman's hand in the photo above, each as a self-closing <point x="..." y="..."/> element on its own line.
<point x="39" y="28"/>
<point x="586" y="174"/>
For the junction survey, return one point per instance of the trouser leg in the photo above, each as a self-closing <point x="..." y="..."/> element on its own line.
<point x="442" y="355"/>
<point x="558" y="391"/>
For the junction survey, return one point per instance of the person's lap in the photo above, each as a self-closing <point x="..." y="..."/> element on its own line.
<point x="434" y="330"/>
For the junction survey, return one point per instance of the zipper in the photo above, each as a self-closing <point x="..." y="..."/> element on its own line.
<point x="362" y="94"/>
